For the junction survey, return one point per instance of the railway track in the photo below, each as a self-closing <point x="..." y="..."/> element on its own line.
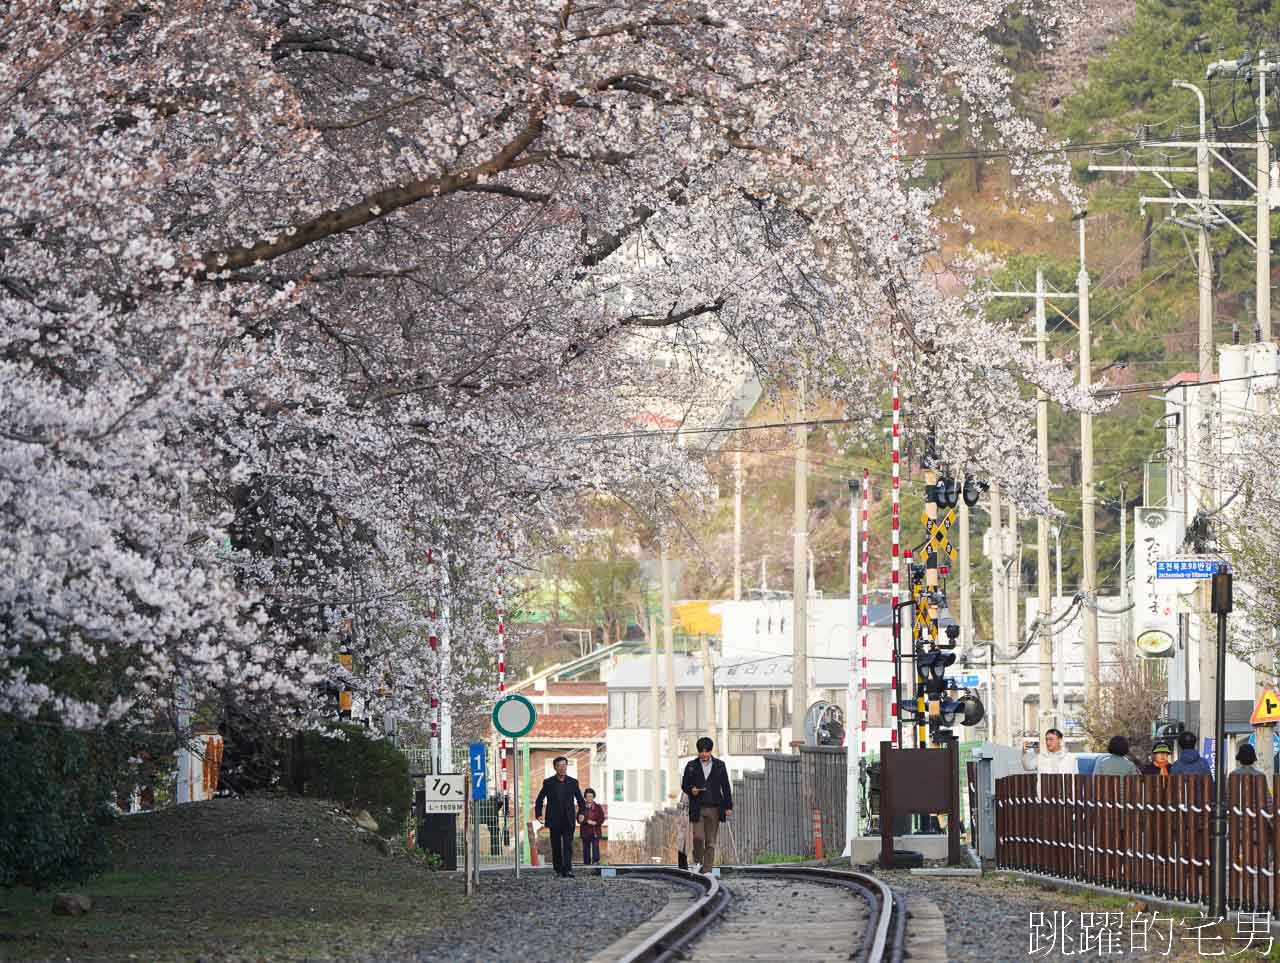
<point x="791" y="913"/>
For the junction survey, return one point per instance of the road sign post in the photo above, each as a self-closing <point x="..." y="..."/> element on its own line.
<point x="478" y="778"/>
<point x="514" y="716"/>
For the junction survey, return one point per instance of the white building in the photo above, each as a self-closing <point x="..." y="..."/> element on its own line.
<point x="1018" y="686"/>
<point x="1171" y="500"/>
<point x="752" y="682"/>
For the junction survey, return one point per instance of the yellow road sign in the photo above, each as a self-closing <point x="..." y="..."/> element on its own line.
<point x="1267" y="709"/>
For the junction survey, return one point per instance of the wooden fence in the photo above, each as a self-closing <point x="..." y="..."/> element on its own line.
<point x="1143" y="834"/>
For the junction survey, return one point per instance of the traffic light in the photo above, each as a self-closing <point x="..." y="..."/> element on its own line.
<point x="953" y="637"/>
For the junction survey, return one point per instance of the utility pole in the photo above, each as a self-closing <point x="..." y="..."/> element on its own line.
<point x="1048" y="717"/>
<point x="655" y="711"/>
<point x="799" y="583"/>
<point x="1262" y="282"/>
<point x="708" y="688"/>
<point x="669" y="633"/>
<point x="966" y="587"/>
<point x="1089" y="548"/>
<point x="1013" y="585"/>
<point x="995" y="538"/>
<point x="1207" y="213"/>
<point x="737" y="526"/>
<point x="1060" y="665"/>
<point x="1124" y="565"/>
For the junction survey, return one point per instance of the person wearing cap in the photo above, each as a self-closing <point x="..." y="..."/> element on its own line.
<point x="1161" y="760"/>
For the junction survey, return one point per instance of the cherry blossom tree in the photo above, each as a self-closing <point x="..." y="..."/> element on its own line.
<point x="294" y="293"/>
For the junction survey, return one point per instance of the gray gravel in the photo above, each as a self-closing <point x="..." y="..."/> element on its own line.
<point x="537" y="919"/>
<point x="987" y="919"/>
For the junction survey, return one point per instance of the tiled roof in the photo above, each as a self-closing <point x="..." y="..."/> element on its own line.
<point x="554" y="726"/>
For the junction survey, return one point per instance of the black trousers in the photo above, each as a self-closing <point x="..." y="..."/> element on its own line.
<point x="590" y="850"/>
<point x="562" y="848"/>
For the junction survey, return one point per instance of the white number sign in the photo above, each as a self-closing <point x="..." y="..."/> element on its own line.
<point x="446" y="792"/>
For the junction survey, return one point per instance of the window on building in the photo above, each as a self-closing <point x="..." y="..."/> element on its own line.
<point x="646" y="786"/>
<point x="879" y="702"/>
<point x="690" y="711"/>
<point x="617" y="702"/>
<point x="644" y="718"/>
<point x="632" y="789"/>
<point x="618" y="777"/>
<point x="632" y="710"/>
<point x="759" y="709"/>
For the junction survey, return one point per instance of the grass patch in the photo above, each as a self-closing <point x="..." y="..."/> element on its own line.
<point x="272" y="878"/>
<point x="769" y="859"/>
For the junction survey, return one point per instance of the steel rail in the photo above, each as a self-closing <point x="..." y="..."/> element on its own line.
<point x="666" y="944"/>
<point x="882" y="942"/>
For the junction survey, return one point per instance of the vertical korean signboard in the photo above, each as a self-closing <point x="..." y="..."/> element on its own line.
<point x="1156" y="537"/>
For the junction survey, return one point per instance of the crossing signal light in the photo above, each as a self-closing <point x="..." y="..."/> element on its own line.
<point x="933" y="669"/>
<point x="973" y="490"/>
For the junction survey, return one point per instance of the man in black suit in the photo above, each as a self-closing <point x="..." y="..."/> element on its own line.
<point x="706" y="782"/>
<point x="564" y="811"/>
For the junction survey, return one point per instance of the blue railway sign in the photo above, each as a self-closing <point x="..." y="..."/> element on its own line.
<point x="478" y="769"/>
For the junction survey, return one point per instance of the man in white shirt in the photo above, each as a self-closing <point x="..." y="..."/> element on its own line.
<point x="1053" y="759"/>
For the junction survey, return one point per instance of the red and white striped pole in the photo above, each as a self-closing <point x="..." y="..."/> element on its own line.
<point x="433" y="642"/>
<point x="895" y="560"/>
<point x="863" y="567"/>
<point x="502" y="664"/>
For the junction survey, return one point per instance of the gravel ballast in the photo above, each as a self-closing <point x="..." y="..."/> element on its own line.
<point x="537" y="919"/>
<point x="988" y="920"/>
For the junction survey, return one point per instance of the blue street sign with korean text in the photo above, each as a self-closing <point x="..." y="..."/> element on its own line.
<point x="478" y="769"/>
<point x="969" y="681"/>
<point x="1191" y="568"/>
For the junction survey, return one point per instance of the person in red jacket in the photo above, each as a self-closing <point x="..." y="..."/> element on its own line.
<point x="592" y="820"/>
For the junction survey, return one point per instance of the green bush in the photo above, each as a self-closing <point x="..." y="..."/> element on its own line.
<point x="343" y="764"/>
<point x="57" y="787"/>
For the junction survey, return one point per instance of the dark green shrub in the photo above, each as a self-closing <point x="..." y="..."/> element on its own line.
<point x="57" y="786"/>
<point x="343" y="764"/>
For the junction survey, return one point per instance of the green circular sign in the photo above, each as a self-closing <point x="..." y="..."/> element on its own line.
<point x="513" y="716"/>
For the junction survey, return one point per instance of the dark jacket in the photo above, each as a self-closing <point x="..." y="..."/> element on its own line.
<point x="561" y="799"/>
<point x="1190" y="763"/>
<point x="715" y="791"/>
<point x="594" y="812"/>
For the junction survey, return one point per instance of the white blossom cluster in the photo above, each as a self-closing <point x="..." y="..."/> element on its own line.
<point x="341" y="283"/>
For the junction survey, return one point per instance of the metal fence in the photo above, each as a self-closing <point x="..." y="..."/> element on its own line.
<point x="1143" y="834"/>
<point x="774" y="808"/>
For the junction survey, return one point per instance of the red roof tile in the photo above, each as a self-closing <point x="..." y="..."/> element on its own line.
<point x="554" y="726"/>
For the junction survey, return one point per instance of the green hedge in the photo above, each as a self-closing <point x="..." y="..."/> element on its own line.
<point x="343" y="764"/>
<point x="56" y="786"/>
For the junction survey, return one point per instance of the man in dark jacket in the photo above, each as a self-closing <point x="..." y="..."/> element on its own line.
<point x="1189" y="762"/>
<point x="564" y="810"/>
<point x="706" y="782"/>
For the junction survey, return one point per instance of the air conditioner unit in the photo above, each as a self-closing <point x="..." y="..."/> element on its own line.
<point x="768" y="740"/>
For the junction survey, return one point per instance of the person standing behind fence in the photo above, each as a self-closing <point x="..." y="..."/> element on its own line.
<point x="1189" y="762"/>
<point x="1117" y="762"/>
<point x="1053" y="759"/>
<point x="1246" y="755"/>
<point x="1160" y="761"/>
<point x="706" y="782"/>
<point x="593" y="817"/>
